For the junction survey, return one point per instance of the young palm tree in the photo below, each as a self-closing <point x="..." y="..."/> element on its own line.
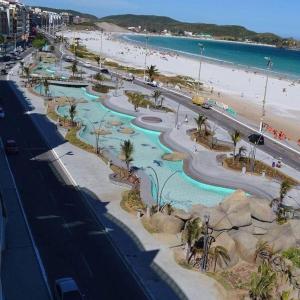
<point x="219" y="255"/>
<point x="22" y="67"/>
<point x="285" y="186"/>
<point x="152" y="72"/>
<point x="262" y="283"/>
<point x="72" y="112"/>
<point x="27" y="72"/>
<point x="46" y="86"/>
<point x="191" y="233"/>
<point x="235" y="138"/>
<point x="156" y="94"/>
<point x="137" y="100"/>
<point x="200" y="121"/>
<point x="127" y="150"/>
<point x="98" y="59"/>
<point x="74" y="68"/>
<point x="264" y="251"/>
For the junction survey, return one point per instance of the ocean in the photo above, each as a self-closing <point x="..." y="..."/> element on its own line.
<point x="285" y="61"/>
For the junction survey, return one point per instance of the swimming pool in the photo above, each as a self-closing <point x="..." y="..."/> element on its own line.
<point x="181" y="190"/>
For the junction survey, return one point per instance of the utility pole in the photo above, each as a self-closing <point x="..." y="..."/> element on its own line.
<point x="200" y="66"/>
<point x="101" y="45"/>
<point x="263" y="113"/>
<point x="146" y="53"/>
<point x="206" y="245"/>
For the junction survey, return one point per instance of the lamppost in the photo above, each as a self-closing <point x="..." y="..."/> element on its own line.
<point x="146" y="53"/>
<point x="200" y="65"/>
<point x="207" y="239"/>
<point x="263" y="113"/>
<point x="101" y="45"/>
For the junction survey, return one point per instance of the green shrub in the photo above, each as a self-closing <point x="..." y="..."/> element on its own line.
<point x="293" y="254"/>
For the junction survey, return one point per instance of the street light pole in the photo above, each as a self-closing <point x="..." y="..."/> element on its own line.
<point x="263" y="113"/>
<point x="206" y="242"/>
<point x="101" y="45"/>
<point x="200" y="65"/>
<point x="146" y="53"/>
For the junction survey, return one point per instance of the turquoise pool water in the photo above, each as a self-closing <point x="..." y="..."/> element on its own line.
<point x="181" y="190"/>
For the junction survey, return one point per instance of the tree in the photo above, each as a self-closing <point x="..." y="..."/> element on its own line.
<point x="191" y="233"/>
<point x="22" y="67"/>
<point x="264" y="251"/>
<point x="235" y="138"/>
<point x="72" y="112"/>
<point x="262" y="283"/>
<point x="2" y="40"/>
<point x="97" y="59"/>
<point x="219" y="255"/>
<point x="200" y="121"/>
<point x="136" y="100"/>
<point x="27" y="72"/>
<point x="285" y="186"/>
<point x="74" y="68"/>
<point x="127" y="150"/>
<point x="46" y="86"/>
<point x="156" y="94"/>
<point x="152" y="72"/>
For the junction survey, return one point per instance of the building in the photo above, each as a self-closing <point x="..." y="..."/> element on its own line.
<point x="67" y="18"/>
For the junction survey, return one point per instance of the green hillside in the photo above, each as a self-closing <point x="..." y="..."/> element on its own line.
<point x="157" y="24"/>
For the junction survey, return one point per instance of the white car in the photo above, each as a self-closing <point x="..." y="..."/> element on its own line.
<point x="2" y="113"/>
<point x="87" y="65"/>
<point x="67" y="289"/>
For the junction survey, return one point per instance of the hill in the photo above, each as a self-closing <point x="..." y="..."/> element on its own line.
<point x="159" y="23"/>
<point x="73" y="12"/>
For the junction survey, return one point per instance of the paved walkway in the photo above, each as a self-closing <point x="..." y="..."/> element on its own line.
<point x="94" y="177"/>
<point x="20" y="271"/>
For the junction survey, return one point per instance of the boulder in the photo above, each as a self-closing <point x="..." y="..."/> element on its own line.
<point x="295" y="226"/>
<point x="166" y="224"/>
<point x="281" y="237"/>
<point x="261" y="210"/>
<point x="245" y="245"/>
<point x="226" y="241"/>
<point x="237" y="199"/>
<point x="181" y="214"/>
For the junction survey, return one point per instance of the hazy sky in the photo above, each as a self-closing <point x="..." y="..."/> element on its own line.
<point x="278" y="16"/>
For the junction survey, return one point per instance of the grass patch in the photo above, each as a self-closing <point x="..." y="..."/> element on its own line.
<point x="293" y="254"/>
<point x="102" y="88"/>
<point x="131" y="201"/>
<point x="71" y="137"/>
<point x="259" y="167"/>
<point x="205" y="140"/>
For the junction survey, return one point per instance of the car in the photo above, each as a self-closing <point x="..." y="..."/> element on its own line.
<point x="152" y="83"/>
<point x="2" y="113"/>
<point x="18" y="58"/>
<point x="256" y="138"/>
<point x="3" y="72"/>
<point x="67" y="289"/>
<point x="206" y="106"/>
<point x="87" y="65"/>
<point x="11" y="147"/>
<point x="104" y="71"/>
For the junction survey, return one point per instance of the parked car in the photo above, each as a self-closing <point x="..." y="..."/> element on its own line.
<point x="11" y="147"/>
<point x="256" y="138"/>
<point x="3" y="72"/>
<point x="104" y="71"/>
<point x="2" y="113"/>
<point x="152" y="83"/>
<point x="206" y="106"/>
<point x="67" y="289"/>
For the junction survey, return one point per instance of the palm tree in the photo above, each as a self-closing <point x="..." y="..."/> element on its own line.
<point x="97" y="59"/>
<point x="200" y="121"/>
<point x="152" y="72"/>
<point x="46" y="86"/>
<point x="72" y="112"/>
<point x="22" y="67"/>
<point x="191" y="233"/>
<point x="235" y="138"/>
<point x="264" y="251"/>
<point x="127" y="150"/>
<point x="285" y="186"/>
<point x="156" y="94"/>
<point x="219" y="255"/>
<point x="137" y="100"/>
<point x="27" y="72"/>
<point x="74" y="68"/>
<point x="262" y="283"/>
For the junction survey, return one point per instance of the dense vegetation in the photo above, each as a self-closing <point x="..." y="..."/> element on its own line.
<point x="39" y="41"/>
<point x="228" y="32"/>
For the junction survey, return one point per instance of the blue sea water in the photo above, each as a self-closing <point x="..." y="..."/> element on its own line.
<point x="285" y="61"/>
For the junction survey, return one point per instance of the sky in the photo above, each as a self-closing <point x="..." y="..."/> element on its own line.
<point x="277" y="16"/>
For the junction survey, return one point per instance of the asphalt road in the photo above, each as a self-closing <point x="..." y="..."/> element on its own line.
<point x="70" y="240"/>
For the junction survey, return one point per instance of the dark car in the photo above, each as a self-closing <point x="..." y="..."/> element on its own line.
<point x="256" y="138"/>
<point x="3" y="72"/>
<point x="104" y="71"/>
<point x="67" y="289"/>
<point x="11" y="147"/>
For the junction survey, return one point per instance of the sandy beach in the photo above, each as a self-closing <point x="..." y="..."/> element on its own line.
<point x="241" y="89"/>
